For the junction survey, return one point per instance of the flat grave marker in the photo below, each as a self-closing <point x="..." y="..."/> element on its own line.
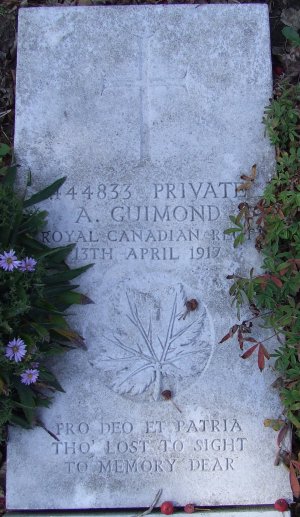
<point x="152" y="113"/>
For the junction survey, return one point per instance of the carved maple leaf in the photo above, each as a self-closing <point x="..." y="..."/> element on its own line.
<point x="177" y="351"/>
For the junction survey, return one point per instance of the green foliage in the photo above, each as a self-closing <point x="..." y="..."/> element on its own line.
<point x="291" y="35"/>
<point x="238" y="229"/>
<point x="32" y="302"/>
<point x="3" y="11"/>
<point x="281" y="122"/>
<point x="273" y="297"/>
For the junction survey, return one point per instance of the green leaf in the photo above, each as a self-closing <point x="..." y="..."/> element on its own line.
<point x="71" y="336"/>
<point x="71" y="298"/>
<point x="239" y="240"/>
<point x="295" y="421"/>
<point x="291" y="35"/>
<point x="10" y="176"/>
<point x="2" y="170"/>
<point x="232" y="230"/>
<point x="33" y="223"/>
<point x="56" y="321"/>
<point x="236" y="220"/>
<point x="27" y="401"/>
<point x="55" y="291"/>
<point x="65" y="276"/>
<point x="51" y="379"/>
<point x="42" y="402"/>
<point x="32" y="245"/>
<point x="41" y="331"/>
<point x="45" y="193"/>
<point x="19" y="421"/>
<point x="58" y="254"/>
<point x="4" y="150"/>
<point x="57" y="348"/>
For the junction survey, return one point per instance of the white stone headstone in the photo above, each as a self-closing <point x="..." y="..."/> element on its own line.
<point x="152" y="113"/>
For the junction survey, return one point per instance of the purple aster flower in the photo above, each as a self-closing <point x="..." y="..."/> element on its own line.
<point x="9" y="261"/>
<point x="27" y="264"/>
<point x="15" y="350"/>
<point x="29" y="376"/>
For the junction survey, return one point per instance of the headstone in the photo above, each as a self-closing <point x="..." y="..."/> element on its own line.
<point x="152" y="113"/>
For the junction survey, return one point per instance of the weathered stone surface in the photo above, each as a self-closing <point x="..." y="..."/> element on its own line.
<point x="153" y="113"/>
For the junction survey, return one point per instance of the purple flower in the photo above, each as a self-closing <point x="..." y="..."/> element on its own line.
<point x="9" y="261"/>
<point x="29" y="376"/>
<point x="16" y="349"/>
<point x="27" y="264"/>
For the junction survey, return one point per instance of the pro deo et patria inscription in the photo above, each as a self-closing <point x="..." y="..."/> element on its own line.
<point x="156" y="446"/>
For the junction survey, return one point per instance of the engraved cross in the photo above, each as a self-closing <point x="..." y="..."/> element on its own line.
<point x="144" y="82"/>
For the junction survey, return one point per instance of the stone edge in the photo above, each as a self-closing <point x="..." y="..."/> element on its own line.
<point x="216" y="512"/>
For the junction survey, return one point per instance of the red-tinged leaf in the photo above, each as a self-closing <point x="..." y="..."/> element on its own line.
<point x="252" y="175"/>
<point x="295" y="263"/>
<point x="261" y="358"/>
<point x="249" y="351"/>
<point x="260" y="220"/>
<point x="283" y="271"/>
<point x="296" y="464"/>
<point x="277" y="459"/>
<point x="263" y="280"/>
<point x="264" y="277"/>
<point x="276" y="280"/>
<point x="241" y="340"/>
<point x="294" y="481"/>
<point x="265" y="351"/>
<point x="260" y="204"/>
<point x="224" y="338"/>
<point x="275" y="424"/>
<point x="253" y="171"/>
<point x="282" y="434"/>
<point x="231" y="332"/>
<point x="243" y="208"/>
<point x="245" y="186"/>
<point x="245" y="177"/>
<point x="291" y="384"/>
<point x="285" y="457"/>
<point x="250" y="339"/>
<point x="234" y="329"/>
